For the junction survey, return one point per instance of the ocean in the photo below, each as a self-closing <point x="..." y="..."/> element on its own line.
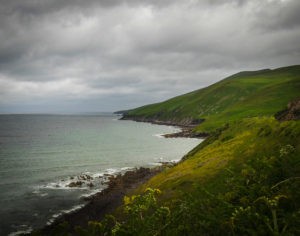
<point x="41" y="155"/>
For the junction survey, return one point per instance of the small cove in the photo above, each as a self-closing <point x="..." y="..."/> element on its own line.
<point x="41" y="154"/>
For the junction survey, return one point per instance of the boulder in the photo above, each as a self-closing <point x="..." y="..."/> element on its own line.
<point x="75" y="184"/>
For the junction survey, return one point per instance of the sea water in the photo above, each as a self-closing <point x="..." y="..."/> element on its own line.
<point x="40" y="155"/>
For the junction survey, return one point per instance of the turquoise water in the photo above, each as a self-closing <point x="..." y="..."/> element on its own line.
<point x="41" y="154"/>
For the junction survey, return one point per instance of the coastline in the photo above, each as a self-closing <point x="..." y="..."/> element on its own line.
<point x="105" y="201"/>
<point x="184" y="124"/>
<point x="187" y="127"/>
<point x="186" y="133"/>
<point x="109" y="199"/>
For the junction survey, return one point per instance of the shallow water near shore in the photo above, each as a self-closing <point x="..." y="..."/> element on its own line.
<point x="42" y="155"/>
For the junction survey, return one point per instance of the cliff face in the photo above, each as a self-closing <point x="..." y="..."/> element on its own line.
<point x="291" y="113"/>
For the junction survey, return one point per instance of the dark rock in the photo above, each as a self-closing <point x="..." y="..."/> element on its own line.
<point x="167" y="164"/>
<point x="75" y="184"/>
<point x="197" y="121"/>
<point x="104" y="202"/>
<point x="186" y="133"/>
<point x="107" y="175"/>
<point x="121" y="112"/>
<point x="184" y="123"/>
<point x="85" y="177"/>
<point x="90" y="185"/>
<point x="292" y="112"/>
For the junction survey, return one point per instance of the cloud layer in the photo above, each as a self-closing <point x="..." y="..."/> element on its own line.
<point x="76" y="56"/>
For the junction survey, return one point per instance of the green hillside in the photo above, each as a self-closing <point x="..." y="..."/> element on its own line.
<point x="242" y="180"/>
<point x="245" y="94"/>
<point x="226" y="185"/>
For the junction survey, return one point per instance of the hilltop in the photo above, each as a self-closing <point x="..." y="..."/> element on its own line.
<point x="245" y="94"/>
<point x="243" y="179"/>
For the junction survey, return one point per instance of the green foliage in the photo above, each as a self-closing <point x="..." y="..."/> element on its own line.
<point x="244" y="180"/>
<point x="262" y="206"/>
<point x="237" y="167"/>
<point x="95" y="228"/>
<point x="143" y="216"/>
<point x="62" y="229"/>
<point x="257" y="200"/>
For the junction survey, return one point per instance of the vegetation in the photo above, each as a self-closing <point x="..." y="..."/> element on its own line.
<point x="246" y="94"/>
<point x="243" y="180"/>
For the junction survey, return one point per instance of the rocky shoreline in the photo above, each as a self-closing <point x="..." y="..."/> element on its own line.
<point x="109" y="199"/>
<point x="104" y="202"/>
<point x="186" y="133"/>
<point x="186" y="126"/>
<point x="187" y="123"/>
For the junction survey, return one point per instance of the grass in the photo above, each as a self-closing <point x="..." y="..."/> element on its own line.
<point x="238" y="142"/>
<point x="241" y="180"/>
<point x="246" y="94"/>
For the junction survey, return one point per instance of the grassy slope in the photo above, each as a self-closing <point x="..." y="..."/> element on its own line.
<point x="217" y="189"/>
<point x="242" y="180"/>
<point x="246" y="94"/>
<point x="230" y="148"/>
<point x="234" y="181"/>
<point x="241" y="167"/>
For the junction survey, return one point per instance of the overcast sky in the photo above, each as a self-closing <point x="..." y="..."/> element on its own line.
<point x="104" y="55"/>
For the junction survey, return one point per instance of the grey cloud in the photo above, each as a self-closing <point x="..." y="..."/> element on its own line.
<point x="277" y="15"/>
<point x="80" y="52"/>
<point x="35" y="8"/>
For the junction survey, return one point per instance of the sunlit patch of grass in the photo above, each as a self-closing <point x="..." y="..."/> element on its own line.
<point x="249" y="138"/>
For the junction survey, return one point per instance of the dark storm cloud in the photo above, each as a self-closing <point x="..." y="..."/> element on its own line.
<point x="56" y="54"/>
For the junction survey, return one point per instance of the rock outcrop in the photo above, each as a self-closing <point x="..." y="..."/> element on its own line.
<point x="75" y="184"/>
<point x="291" y="113"/>
<point x="186" y="133"/>
<point x="184" y="122"/>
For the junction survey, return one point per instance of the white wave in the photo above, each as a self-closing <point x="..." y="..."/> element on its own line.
<point x="63" y="185"/>
<point x="155" y="163"/>
<point x="75" y="208"/>
<point x="158" y="135"/>
<point x="97" y="175"/>
<point x="56" y="215"/>
<point x="39" y="193"/>
<point x="86" y="178"/>
<point x="112" y="171"/>
<point x="91" y="193"/>
<point x="44" y="194"/>
<point x="26" y="230"/>
<point x="175" y="160"/>
<point x="126" y="168"/>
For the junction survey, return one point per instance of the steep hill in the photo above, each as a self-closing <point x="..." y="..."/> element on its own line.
<point x="245" y="94"/>
<point x="242" y="180"/>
